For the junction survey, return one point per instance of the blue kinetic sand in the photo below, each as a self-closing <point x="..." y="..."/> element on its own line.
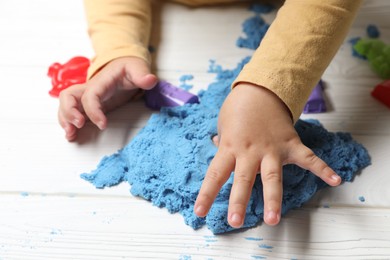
<point x="373" y="31"/>
<point x="254" y="28"/>
<point x="353" y="41"/>
<point x="262" y="8"/>
<point x="167" y="161"/>
<point x="183" y="82"/>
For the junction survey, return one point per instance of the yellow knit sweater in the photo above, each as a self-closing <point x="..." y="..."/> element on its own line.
<point x="290" y="60"/>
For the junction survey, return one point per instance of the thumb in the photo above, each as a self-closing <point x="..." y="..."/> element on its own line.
<point x="138" y="75"/>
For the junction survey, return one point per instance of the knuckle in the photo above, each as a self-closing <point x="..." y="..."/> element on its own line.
<point x="311" y="157"/>
<point x="316" y="162"/>
<point x="205" y="198"/>
<point x="85" y="98"/>
<point x="63" y="94"/>
<point x="63" y="113"/>
<point x="213" y="175"/>
<point x="239" y="205"/>
<point x="294" y="141"/>
<point x="272" y="176"/>
<point x="225" y="144"/>
<point x="243" y="179"/>
<point x="70" y="90"/>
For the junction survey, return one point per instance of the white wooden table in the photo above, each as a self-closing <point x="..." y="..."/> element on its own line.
<point x="48" y="212"/>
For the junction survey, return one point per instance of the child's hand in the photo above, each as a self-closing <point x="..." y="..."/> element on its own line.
<point x="111" y="87"/>
<point x="256" y="133"/>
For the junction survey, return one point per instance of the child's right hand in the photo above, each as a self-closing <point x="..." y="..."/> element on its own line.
<point x="110" y="88"/>
<point x="256" y="133"/>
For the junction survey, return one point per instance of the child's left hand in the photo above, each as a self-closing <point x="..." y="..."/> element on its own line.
<point x="256" y="133"/>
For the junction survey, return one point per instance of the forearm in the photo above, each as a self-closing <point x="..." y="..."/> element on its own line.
<point x="298" y="47"/>
<point x="118" y="28"/>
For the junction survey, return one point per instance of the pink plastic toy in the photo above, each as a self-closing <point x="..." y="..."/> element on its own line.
<point x="70" y="73"/>
<point x="382" y="92"/>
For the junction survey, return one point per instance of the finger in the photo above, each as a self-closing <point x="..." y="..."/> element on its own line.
<point x="271" y="176"/>
<point x="146" y="82"/>
<point x="215" y="140"/>
<point x="92" y="102"/>
<point x="244" y="178"/>
<point x="139" y="76"/>
<point x="217" y="174"/>
<point x="70" y="130"/>
<point x="69" y="107"/>
<point x="305" y="158"/>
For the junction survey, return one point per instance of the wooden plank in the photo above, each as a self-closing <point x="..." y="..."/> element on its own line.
<point x="64" y="217"/>
<point x="58" y="227"/>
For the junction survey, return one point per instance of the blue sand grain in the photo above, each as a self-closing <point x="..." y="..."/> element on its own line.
<point x="362" y="198"/>
<point x="373" y="31"/>
<point x="265" y="246"/>
<point x="183" y="81"/>
<point x="186" y="86"/>
<point x="253" y="238"/>
<point x="353" y="41"/>
<point x="24" y="194"/>
<point x="167" y="161"/>
<point x="55" y="231"/>
<point x="262" y="8"/>
<point x="186" y="77"/>
<point x="210" y="239"/>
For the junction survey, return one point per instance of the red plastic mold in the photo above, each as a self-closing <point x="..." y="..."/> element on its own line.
<point x="382" y="92"/>
<point x="70" y="73"/>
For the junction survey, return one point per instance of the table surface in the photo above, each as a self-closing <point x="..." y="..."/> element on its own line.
<point x="48" y="212"/>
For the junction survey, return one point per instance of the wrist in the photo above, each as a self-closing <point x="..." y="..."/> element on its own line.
<point x="269" y="99"/>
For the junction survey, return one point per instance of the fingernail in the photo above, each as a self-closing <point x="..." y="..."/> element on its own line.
<point x="271" y="215"/>
<point x="236" y="218"/>
<point x="272" y="218"/>
<point x="76" y="123"/>
<point x="200" y="210"/>
<point x="100" y="124"/>
<point x="335" y="177"/>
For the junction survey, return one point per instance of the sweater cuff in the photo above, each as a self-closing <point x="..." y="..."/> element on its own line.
<point x="294" y="101"/>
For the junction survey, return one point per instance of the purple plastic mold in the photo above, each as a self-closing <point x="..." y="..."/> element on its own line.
<point x="165" y="94"/>
<point x="316" y="102"/>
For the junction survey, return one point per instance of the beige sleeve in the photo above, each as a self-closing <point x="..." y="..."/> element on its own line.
<point x="298" y="47"/>
<point x="118" y="28"/>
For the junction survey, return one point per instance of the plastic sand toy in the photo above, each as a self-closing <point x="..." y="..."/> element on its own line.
<point x="382" y="92"/>
<point x="165" y="94"/>
<point x="316" y="102"/>
<point x="70" y="73"/>
<point x="377" y="54"/>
